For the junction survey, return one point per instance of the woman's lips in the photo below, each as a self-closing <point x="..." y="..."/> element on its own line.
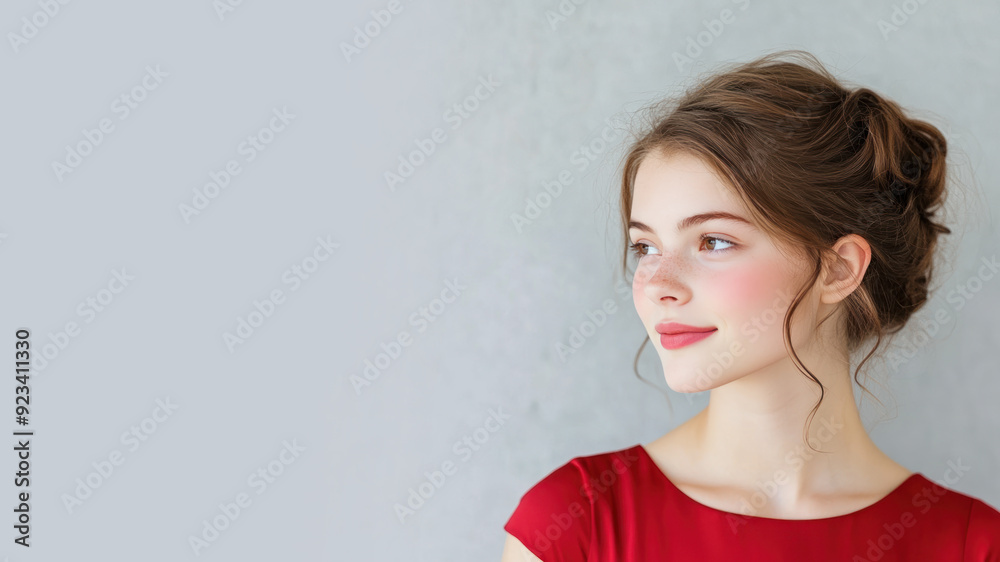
<point x="674" y="335"/>
<point x="676" y="341"/>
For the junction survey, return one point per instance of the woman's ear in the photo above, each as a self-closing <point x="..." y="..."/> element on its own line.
<point x="842" y="275"/>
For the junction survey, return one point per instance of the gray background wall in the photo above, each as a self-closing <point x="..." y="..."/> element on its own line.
<point x="557" y="87"/>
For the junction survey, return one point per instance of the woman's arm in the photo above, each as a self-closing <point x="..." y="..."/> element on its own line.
<point x="514" y="551"/>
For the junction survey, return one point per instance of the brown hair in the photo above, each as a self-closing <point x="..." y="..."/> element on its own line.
<point x="814" y="161"/>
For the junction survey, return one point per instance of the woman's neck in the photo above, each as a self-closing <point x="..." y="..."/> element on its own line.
<point x="752" y="435"/>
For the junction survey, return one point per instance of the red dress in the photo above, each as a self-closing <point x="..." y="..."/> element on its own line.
<point x="619" y="506"/>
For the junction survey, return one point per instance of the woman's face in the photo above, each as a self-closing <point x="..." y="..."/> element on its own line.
<point x="713" y="273"/>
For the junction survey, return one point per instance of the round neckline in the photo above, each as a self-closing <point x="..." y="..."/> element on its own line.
<point x="670" y="484"/>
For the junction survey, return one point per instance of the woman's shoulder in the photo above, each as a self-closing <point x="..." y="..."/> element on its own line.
<point x="574" y="483"/>
<point x="983" y="534"/>
<point x="578" y="475"/>
<point x="598" y="473"/>
<point x="557" y="511"/>
<point x="958" y="511"/>
<point x="932" y="495"/>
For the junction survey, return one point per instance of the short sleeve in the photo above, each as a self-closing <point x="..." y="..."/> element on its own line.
<point x="553" y="518"/>
<point x="982" y="540"/>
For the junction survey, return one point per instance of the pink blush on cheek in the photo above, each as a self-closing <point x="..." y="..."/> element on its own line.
<point x="753" y="287"/>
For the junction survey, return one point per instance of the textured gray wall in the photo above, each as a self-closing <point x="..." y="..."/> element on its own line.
<point x="355" y="264"/>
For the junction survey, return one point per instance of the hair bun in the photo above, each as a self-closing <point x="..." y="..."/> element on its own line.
<point x="906" y="155"/>
<point x="900" y="192"/>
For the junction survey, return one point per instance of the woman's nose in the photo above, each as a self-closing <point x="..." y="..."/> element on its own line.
<point x="660" y="276"/>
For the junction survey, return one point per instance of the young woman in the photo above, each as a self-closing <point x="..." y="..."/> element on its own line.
<point x="779" y="222"/>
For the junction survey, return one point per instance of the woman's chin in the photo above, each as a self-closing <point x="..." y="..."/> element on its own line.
<point x="682" y="384"/>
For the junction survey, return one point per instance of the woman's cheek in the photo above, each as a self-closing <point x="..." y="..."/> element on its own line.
<point x="750" y="290"/>
<point x="638" y="290"/>
<point x="639" y="280"/>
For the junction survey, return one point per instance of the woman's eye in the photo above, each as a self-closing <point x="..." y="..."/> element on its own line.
<point x="714" y="248"/>
<point x="640" y="249"/>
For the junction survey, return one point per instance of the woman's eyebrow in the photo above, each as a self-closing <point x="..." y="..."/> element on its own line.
<point x="693" y="220"/>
